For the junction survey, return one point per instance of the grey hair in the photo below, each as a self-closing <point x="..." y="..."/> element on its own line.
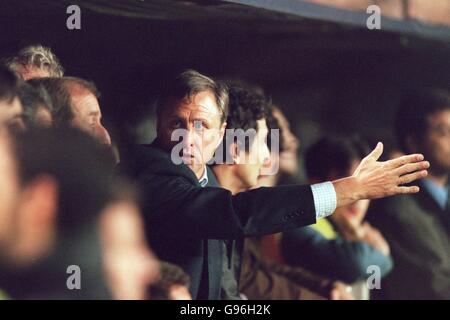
<point x="191" y="82"/>
<point x="39" y="57"/>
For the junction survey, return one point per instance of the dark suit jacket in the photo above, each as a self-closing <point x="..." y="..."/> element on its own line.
<point x="183" y="220"/>
<point x="417" y="231"/>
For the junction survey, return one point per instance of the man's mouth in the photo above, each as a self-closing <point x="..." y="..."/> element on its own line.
<point x="187" y="157"/>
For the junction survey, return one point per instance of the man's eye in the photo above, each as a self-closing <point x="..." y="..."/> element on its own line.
<point x="199" y="125"/>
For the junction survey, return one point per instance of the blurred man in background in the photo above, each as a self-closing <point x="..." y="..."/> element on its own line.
<point x="342" y="246"/>
<point x="56" y="183"/>
<point x="418" y="226"/>
<point x="75" y="103"/>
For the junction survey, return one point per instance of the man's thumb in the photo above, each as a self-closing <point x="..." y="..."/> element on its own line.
<point x="376" y="153"/>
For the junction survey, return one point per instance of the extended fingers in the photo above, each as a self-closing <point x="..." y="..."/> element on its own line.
<point x="411" y="167"/>
<point x="400" y="161"/>
<point x="407" y="190"/>
<point x="407" y="178"/>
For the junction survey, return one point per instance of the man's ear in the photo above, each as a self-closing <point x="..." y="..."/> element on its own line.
<point x="40" y="202"/>
<point x="234" y="153"/>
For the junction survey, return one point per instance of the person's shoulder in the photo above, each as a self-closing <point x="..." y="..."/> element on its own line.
<point x="402" y="201"/>
<point x="151" y="160"/>
<point x="149" y="152"/>
<point x="406" y="209"/>
<point x="141" y="157"/>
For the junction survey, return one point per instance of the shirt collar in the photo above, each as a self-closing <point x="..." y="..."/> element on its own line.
<point x="439" y="194"/>
<point x="204" y="178"/>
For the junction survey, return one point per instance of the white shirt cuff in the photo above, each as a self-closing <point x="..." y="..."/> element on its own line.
<point x="324" y="199"/>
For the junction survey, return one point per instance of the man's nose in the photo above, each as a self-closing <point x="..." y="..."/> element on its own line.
<point x="192" y="138"/>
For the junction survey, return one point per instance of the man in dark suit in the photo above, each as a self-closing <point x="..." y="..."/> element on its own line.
<point x="188" y="217"/>
<point x="417" y="226"/>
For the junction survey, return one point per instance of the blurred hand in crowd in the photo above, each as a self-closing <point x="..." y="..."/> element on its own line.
<point x="373" y="237"/>
<point x="341" y="291"/>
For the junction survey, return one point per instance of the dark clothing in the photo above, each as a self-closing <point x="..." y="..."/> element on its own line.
<point x="231" y="263"/>
<point x="337" y="258"/>
<point x="418" y="232"/>
<point x="231" y="270"/>
<point x="186" y="223"/>
<point x="269" y="280"/>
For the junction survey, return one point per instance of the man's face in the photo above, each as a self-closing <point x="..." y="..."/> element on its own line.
<point x="249" y="164"/>
<point x="11" y="113"/>
<point x="436" y="142"/>
<point x="9" y="192"/>
<point x="198" y="122"/>
<point x="87" y="114"/>
<point x="288" y="157"/>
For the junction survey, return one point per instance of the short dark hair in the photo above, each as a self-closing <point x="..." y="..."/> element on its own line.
<point x="59" y="92"/>
<point x="333" y="155"/>
<point x="32" y="98"/>
<point x="191" y="82"/>
<point x="170" y="275"/>
<point x="411" y="117"/>
<point x="246" y="107"/>
<point x="82" y="167"/>
<point x="9" y="84"/>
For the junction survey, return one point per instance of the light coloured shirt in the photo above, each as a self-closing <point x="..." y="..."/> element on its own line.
<point x="439" y="193"/>
<point x="323" y="193"/>
<point x="204" y="179"/>
<point x="325" y="199"/>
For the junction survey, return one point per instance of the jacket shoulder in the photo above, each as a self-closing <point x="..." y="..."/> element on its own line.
<point x="151" y="160"/>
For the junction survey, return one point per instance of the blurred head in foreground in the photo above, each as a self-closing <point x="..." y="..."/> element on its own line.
<point x="57" y="182"/>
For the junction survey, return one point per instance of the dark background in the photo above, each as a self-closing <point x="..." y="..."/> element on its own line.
<point x="327" y="76"/>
